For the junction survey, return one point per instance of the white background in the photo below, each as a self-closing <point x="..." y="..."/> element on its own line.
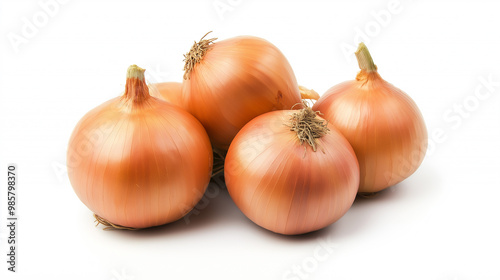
<point x="441" y="223"/>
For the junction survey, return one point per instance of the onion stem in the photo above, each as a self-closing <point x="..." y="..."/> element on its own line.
<point x="365" y="60"/>
<point x="136" y="89"/>
<point x="135" y="71"/>
<point x="306" y="93"/>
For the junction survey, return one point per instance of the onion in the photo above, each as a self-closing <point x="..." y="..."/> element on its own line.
<point x="137" y="161"/>
<point x="285" y="186"/>
<point x="382" y="123"/>
<point x="172" y="92"/>
<point x="168" y="91"/>
<point x="228" y="83"/>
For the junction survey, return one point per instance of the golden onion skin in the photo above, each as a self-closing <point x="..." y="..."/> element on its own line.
<point x="168" y="91"/>
<point x="236" y="80"/>
<point x="383" y="125"/>
<point x="137" y="161"/>
<point x="284" y="186"/>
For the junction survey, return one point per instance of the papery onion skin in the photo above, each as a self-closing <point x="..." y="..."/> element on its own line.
<point x="236" y="80"/>
<point x="306" y="93"/>
<point x="284" y="186"/>
<point x="138" y="161"/>
<point x="168" y="91"/>
<point x="383" y="124"/>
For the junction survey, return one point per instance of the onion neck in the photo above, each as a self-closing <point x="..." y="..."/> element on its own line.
<point x="196" y="54"/>
<point x="136" y="90"/>
<point x="306" y="93"/>
<point x="366" y="64"/>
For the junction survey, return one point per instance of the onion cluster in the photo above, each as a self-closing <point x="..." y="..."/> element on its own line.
<point x="145" y="159"/>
